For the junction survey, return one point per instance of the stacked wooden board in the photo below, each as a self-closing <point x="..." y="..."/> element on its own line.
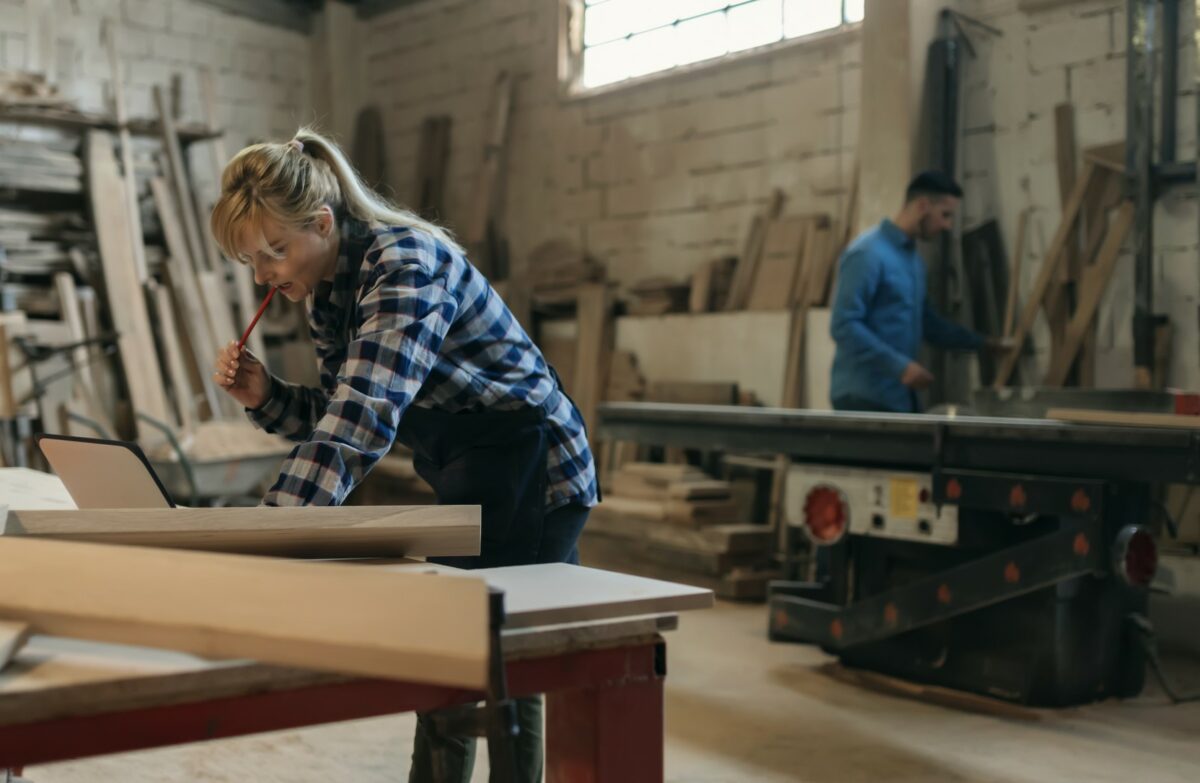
<point x="675" y="522"/>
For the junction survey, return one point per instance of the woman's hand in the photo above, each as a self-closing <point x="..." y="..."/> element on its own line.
<point x="242" y="376"/>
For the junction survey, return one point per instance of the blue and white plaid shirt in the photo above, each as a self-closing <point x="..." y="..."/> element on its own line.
<point x="408" y="321"/>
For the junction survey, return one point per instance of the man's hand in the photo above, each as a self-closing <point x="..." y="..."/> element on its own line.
<point x="242" y="376"/>
<point x="916" y="377"/>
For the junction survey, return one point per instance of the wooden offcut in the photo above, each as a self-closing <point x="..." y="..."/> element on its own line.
<point x="349" y="531"/>
<point x="324" y="616"/>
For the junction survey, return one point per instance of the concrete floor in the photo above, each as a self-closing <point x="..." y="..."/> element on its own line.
<point x="740" y="709"/>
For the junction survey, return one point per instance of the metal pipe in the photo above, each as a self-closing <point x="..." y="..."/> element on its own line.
<point x="1139" y="160"/>
<point x="1170" y="79"/>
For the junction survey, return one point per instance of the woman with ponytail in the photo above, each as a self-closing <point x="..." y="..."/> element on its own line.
<point x="412" y="345"/>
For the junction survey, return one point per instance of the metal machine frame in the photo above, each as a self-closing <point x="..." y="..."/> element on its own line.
<point x="1028" y="603"/>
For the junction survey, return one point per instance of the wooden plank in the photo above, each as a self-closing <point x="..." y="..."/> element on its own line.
<point x="779" y="263"/>
<point x="1014" y="274"/>
<point x="1057" y="302"/>
<point x="128" y="178"/>
<point x="1090" y="295"/>
<point x="168" y="334"/>
<point x="1124" y="418"/>
<point x="481" y="214"/>
<point x="594" y="343"/>
<point x="551" y="593"/>
<point x="351" y="531"/>
<point x="822" y="258"/>
<point x="885" y="146"/>
<point x="1045" y="275"/>
<point x="179" y="178"/>
<point x="699" y="490"/>
<point x="665" y="474"/>
<point x="701" y="294"/>
<point x="323" y="616"/>
<point x="127" y="307"/>
<point x="744" y="272"/>
<point x="186" y="285"/>
<point x="243" y="277"/>
<point x="64" y="285"/>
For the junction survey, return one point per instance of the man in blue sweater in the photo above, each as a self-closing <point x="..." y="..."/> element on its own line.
<point x="880" y="311"/>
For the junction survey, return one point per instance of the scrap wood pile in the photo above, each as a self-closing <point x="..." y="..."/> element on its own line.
<point x="675" y="522"/>
<point x="114" y="293"/>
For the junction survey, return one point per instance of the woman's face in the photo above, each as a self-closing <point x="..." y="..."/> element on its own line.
<point x="294" y="260"/>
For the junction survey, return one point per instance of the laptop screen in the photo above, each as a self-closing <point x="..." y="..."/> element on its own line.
<point x="104" y="473"/>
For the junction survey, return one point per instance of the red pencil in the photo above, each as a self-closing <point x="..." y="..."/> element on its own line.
<point x="262" y="308"/>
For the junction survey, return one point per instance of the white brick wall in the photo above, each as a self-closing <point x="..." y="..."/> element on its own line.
<point x="656" y="178"/>
<point x="261" y="72"/>
<point x="1076" y="53"/>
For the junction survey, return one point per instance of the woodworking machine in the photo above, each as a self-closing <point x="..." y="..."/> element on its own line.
<point x="1005" y="556"/>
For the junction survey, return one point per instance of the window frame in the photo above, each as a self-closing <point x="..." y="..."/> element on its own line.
<point x="570" y="54"/>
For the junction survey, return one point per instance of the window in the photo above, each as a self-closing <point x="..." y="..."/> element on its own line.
<point x="623" y="39"/>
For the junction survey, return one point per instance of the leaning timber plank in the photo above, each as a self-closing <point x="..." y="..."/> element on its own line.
<point x="1054" y="255"/>
<point x="128" y="178"/>
<point x="127" y="306"/>
<point x="593" y="349"/>
<point x="185" y="285"/>
<point x="179" y="177"/>
<point x="243" y="278"/>
<point x="1089" y="300"/>
<point x="747" y="264"/>
<point x="351" y="531"/>
<point x="552" y="593"/>
<point x="168" y="333"/>
<point x="324" y="616"/>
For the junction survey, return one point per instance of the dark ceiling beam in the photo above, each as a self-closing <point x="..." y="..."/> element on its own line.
<point x="370" y="8"/>
<point x="290" y="14"/>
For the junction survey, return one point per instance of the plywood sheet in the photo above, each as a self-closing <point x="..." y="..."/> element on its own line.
<point x="323" y="616"/>
<point x="349" y="531"/>
<point x="551" y="593"/>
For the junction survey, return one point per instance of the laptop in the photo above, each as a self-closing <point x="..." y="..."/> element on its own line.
<point x="104" y="473"/>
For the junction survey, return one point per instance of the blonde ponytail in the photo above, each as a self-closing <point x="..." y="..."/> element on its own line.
<point x="291" y="181"/>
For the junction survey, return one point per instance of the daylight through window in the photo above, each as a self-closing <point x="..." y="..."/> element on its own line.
<point x="623" y="39"/>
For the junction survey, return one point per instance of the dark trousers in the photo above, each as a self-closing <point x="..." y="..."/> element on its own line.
<point x="559" y="544"/>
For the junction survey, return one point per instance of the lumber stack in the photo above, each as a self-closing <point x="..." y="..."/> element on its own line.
<point x="676" y="522"/>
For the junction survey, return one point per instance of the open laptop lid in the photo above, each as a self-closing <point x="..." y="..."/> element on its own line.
<point x="104" y="473"/>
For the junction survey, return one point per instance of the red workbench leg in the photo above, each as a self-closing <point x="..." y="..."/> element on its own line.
<point x="610" y="734"/>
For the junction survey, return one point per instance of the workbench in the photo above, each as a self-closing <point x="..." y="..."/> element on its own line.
<point x="593" y="645"/>
<point x="63" y="699"/>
